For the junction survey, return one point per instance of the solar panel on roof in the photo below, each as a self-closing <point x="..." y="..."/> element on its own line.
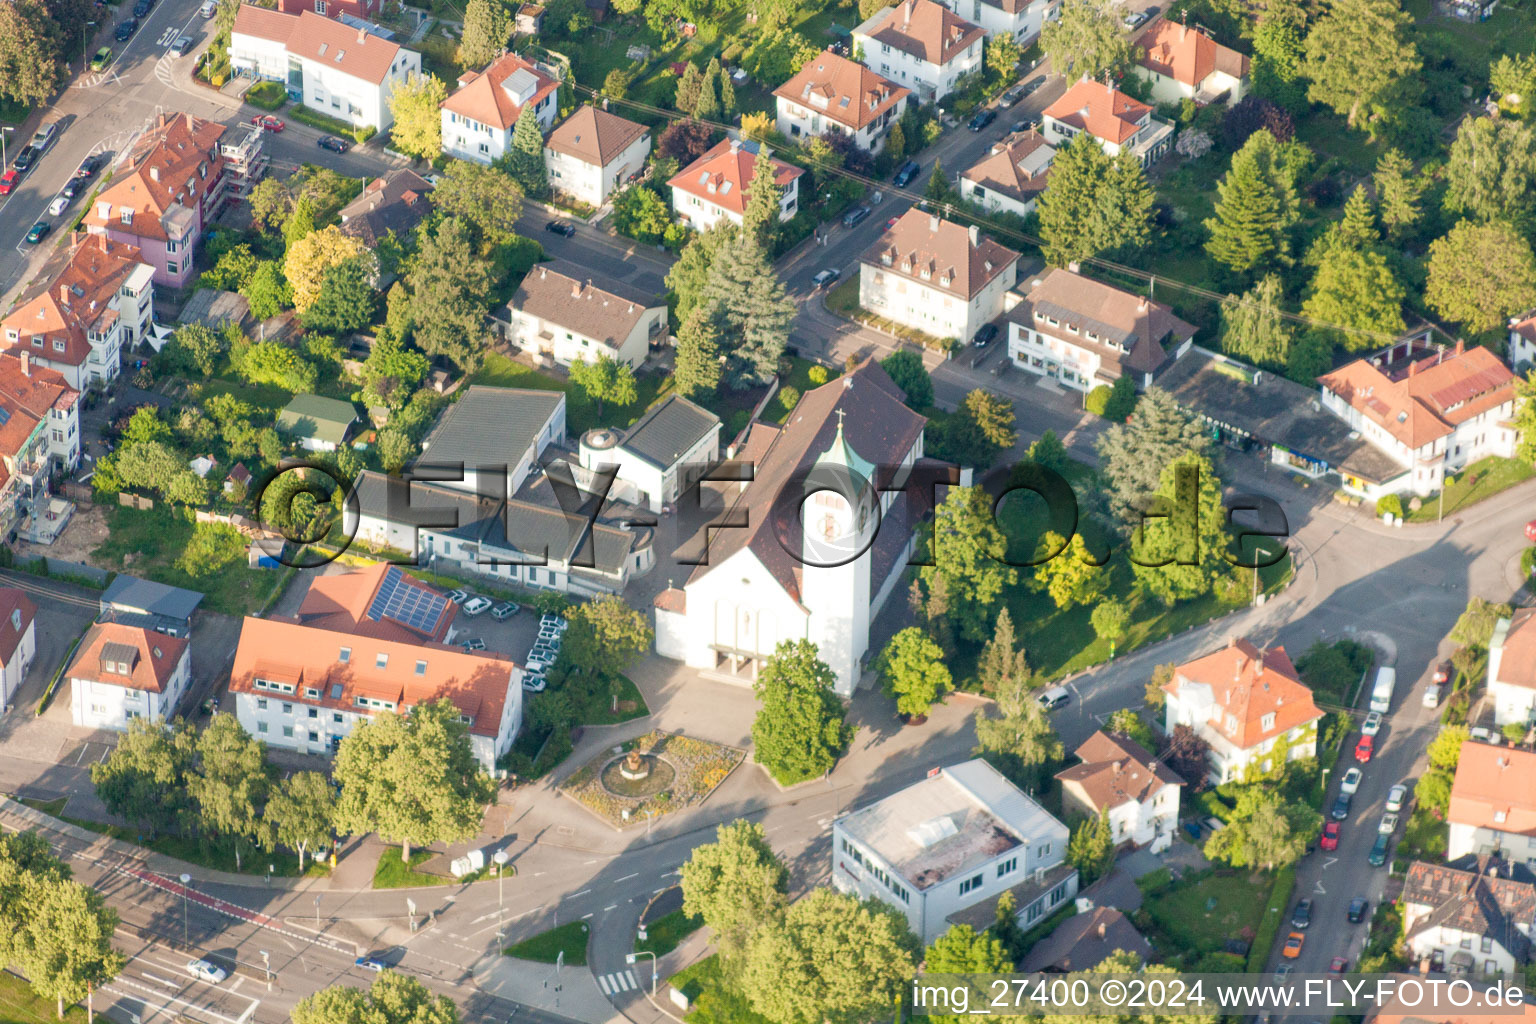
<point x="412" y="606"/>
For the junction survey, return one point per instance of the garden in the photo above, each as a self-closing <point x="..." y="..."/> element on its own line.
<point x="649" y="776"/>
<point x="1208" y="920"/>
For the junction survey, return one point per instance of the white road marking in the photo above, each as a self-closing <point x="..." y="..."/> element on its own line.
<point x="628" y="877"/>
<point x="602" y="980"/>
<point x="159" y="980"/>
<point x="585" y="916"/>
<point x="575" y="894"/>
<point x="606" y="909"/>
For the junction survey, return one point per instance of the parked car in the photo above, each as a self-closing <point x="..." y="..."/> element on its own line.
<point x="476" y="605"/>
<point x="1284" y="970"/>
<point x="1357" y="909"/>
<point x="1530" y="531"/>
<point x="854" y="217"/>
<point x="983" y="118"/>
<point x="1365" y="749"/>
<point x="91" y="164"/>
<point x="126" y="29"/>
<point x="1033" y="84"/>
<point x="1340" y="807"/>
<point x="1351" y="781"/>
<point x="1023" y="125"/>
<point x="1135" y="20"/>
<point x="472" y="643"/>
<point x="534" y="682"/>
<point x="209" y="8"/>
<point x="1378" y="854"/>
<point x="985" y="335"/>
<point x="8" y="182"/>
<point x="1293" y="944"/>
<point x="39" y="232"/>
<point x="368" y="963"/>
<point x="45" y="136"/>
<point x="1011" y="96"/>
<point x="1338" y="965"/>
<point x="332" y="143"/>
<point x="1301" y="917"/>
<point x="268" y="122"/>
<point x="457" y="596"/>
<point x="823" y="278"/>
<point x="505" y="610"/>
<point x="59" y="204"/>
<point x="25" y="158"/>
<point x="1442" y="672"/>
<point x="141" y="8"/>
<point x="909" y="170"/>
<point x="1432" y="695"/>
<point x="1054" y="698"/>
<point x="1372" y="724"/>
<point x="182" y="46"/>
<point x="72" y="188"/>
<point x="202" y="970"/>
<point x="1395" y="797"/>
<point x="1330" y="839"/>
<point x="562" y="228"/>
<point x="1388" y="823"/>
<point x="102" y="59"/>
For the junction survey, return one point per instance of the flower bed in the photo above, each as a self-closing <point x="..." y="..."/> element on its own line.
<point x="700" y="767"/>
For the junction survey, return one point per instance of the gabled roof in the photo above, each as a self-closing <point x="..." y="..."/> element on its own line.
<point x="151" y="657"/>
<point x="483" y="96"/>
<point x="1495" y="788"/>
<point x="1245" y="685"/>
<point x="396" y="202"/>
<point x="1116" y="770"/>
<point x="926" y="30"/>
<point x="1018" y="167"/>
<point x="722" y="175"/>
<point x="667" y="430"/>
<point x="264" y="23"/>
<point x="1131" y="330"/>
<point x="1428" y="397"/>
<point x="594" y="136"/>
<point x="490" y="426"/>
<point x="26" y="398"/>
<point x="841" y="90"/>
<point x="1083" y="941"/>
<point x="16" y="615"/>
<point x="1477" y="895"/>
<point x="379" y="601"/>
<point x="318" y="417"/>
<point x="1187" y="55"/>
<point x="352" y="51"/>
<point x="1525" y="326"/>
<point x="942" y="254"/>
<point x="78" y="300"/>
<point x="174" y="164"/>
<point x="1103" y="112"/>
<point x="1517" y="649"/>
<point x="563" y="293"/>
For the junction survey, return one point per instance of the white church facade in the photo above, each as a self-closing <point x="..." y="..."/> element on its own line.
<point x="828" y="524"/>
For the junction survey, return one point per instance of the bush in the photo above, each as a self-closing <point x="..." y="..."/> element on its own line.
<point x="788" y="396"/>
<point x="266" y="95"/>
<point x="334" y="125"/>
<point x="1389" y="504"/>
<point x="818" y="376"/>
<point x="1528" y="561"/>
<point x="1269" y="924"/>
<point x="1098" y="400"/>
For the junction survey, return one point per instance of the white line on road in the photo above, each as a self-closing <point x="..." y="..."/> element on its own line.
<point x="585" y="916"/>
<point x="606" y="909"/>
<point x="628" y="877"/>
<point x="575" y="894"/>
<point x="160" y="981"/>
<point x="661" y="890"/>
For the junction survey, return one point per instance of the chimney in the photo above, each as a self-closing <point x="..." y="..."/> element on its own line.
<point x="933" y="223"/>
<point x="362" y="36"/>
<point x="1460" y="346"/>
<point x="1141" y="306"/>
<point x="907" y="12"/>
<point x="1102" y="929"/>
<point x="735" y="145"/>
<point x="1075" y="267"/>
<point x="975" y="234"/>
<point x="26" y="363"/>
<point x="154" y="174"/>
<point x="64" y="294"/>
<point x="575" y="289"/>
<point x="543" y="273"/>
<point x="1413" y="369"/>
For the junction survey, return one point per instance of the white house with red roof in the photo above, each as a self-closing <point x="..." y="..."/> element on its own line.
<point x="1012" y="176"/>
<point x="100" y="303"/>
<point x="1117" y="122"/>
<point x="1512" y="669"/>
<point x="1493" y="803"/>
<point x="479" y="116"/>
<point x="937" y="276"/>
<point x="365" y="9"/>
<point x="922" y="45"/>
<point x="121" y="672"/>
<point x="341" y="71"/>
<point x="1248" y="704"/>
<point x="593" y="152"/>
<point x="1522" y="341"/>
<point x="834" y="94"/>
<point x="1433" y="409"/>
<point x="1115" y="776"/>
<point x="714" y="187"/>
<point x="1183" y="63"/>
<point x="18" y="640"/>
<point x="1022" y="19"/>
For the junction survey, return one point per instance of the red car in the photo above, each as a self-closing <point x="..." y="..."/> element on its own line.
<point x="267" y="121"/>
<point x="1442" y="672"/>
<point x="1365" y="748"/>
<point x="1530" y="531"/>
<point x="1330" y="840"/>
<point x="8" y="182"/>
<point x="1337" y="965"/>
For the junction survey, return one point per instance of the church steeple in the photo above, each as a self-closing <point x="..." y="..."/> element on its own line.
<point x="842" y="456"/>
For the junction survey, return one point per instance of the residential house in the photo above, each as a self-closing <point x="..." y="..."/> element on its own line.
<point x="100" y="303"/>
<point x="1117" y="777"/>
<point x="1471" y="916"/>
<point x="395" y="203"/>
<point x="317" y="423"/>
<point x="1444" y="1010"/>
<point x="963" y="835"/>
<point x="18" y="641"/>
<point x="1522" y="341"/>
<point x="1083" y="333"/>
<point x="131" y="601"/>
<point x="479" y="116"/>
<point x="593" y="152"/>
<point x="43" y="394"/>
<point x="305" y="688"/>
<point x="853" y="446"/>
<point x="660" y="457"/>
<point x="1512" y="669"/>
<point x="238" y="481"/>
<point x="1183" y="63"/>
<point x="529" y="20"/>
<point x="1085" y="940"/>
<point x="922" y="45"/>
<point x="160" y="201"/>
<point x="121" y="672"/>
<point x="490" y="440"/>
<point x="365" y="9"/>
<point x="832" y="94"/>
<point x="1432" y="409"/>
<point x="935" y="275"/>
<point x="342" y="71"/>
<point x="1117" y="122"/>
<point x="559" y="315"/>
<point x="1022" y="19"/>
<point x="1248" y="705"/>
<point x="714" y="187"/>
<point x="380" y="601"/>
<point x="1010" y="178"/>
<point x="39" y="436"/>
<point x="1493" y="803"/>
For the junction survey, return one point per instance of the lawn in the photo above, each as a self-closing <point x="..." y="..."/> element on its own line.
<point x="666" y="933"/>
<point x="18" y="1004"/>
<point x="394" y="873"/>
<point x="148" y="543"/>
<point x="545" y="947"/>
<point x="1481" y="480"/>
<point x="581" y="415"/>
<point x="714" y="1002"/>
<point x="1186" y="917"/>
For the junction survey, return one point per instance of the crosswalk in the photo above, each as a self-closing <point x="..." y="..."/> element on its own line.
<point x="619" y="981"/>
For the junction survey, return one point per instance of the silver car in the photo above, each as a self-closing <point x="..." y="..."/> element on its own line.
<point x="202" y="970"/>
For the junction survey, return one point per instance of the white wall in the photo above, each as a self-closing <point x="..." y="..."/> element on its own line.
<point x="703" y="214"/>
<point x="567" y="347"/>
<point x="484" y="143"/>
<point x="1024" y="25"/>
<point x="886" y="292"/>
<point x="15" y="671"/>
<point x="587" y="181"/>
<point x="795" y="121"/>
<point x="258" y="57"/>
<point x="933" y="81"/>
<point x="96" y="705"/>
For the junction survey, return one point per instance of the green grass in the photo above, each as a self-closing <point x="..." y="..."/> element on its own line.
<point x="12" y="112"/>
<point x="267" y="95"/>
<point x="598" y="710"/>
<point x="1479" y="481"/>
<point x="799" y="378"/>
<point x="1182" y="918"/>
<point x="714" y="1002"/>
<point x="394" y="873"/>
<point x="581" y="415"/>
<point x="545" y="947"/>
<point x="19" y="1005"/>
<point x="666" y="933"/>
<point x="147" y="543"/>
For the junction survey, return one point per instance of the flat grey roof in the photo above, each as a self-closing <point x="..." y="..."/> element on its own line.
<point x="490" y="426"/>
<point x="667" y="430"/>
<point x="129" y="593"/>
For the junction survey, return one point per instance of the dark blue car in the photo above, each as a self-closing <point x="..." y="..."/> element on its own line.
<point x="126" y="29"/>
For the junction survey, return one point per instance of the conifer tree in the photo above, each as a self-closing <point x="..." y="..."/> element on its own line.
<point x="689" y="83"/>
<point x="748" y="301"/>
<point x="485" y="33"/>
<point x="762" y="210"/>
<point x="1257" y="203"/>
<point x="1358" y="226"/>
<point x="1096" y="203"/>
<point x="696" y="368"/>
<point x="526" y="155"/>
<point x="1398" y="193"/>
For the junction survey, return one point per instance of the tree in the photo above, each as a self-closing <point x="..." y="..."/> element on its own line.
<point x="1128" y="723"/>
<point x="1092" y="848"/>
<point x="1020" y="742"/>
<point x="913" y="671"/>
<point x="1444" y="750"/>
<point x="1278" y="56"/>
<point x="605" y="379"/>
<point x="32" y="60"/>
<point x="272" y="362"/>
<point x="1109" y="619"/>
<point x="833" y="960"/>
<point x="1512" y="76"/>
<point x="64" y="941"/>
<point x="1491" y="172"/>
<point x="993" y="416"/>
<point x="966" y="549"/>
<point x="392" y="999"/>
<point x="799" y="729"/>
<point x="1357" y="54"/>
<point x="1356" y="295"/>
<point x="391" y="371"/>
<point x="964" y="950"/>
<point x="525" y="156"/>
<point x="736" y="885"/>
<point x="1256" y="205"/>
<point x="1264" y="832"/>
<point x="1073" y="576"/>
<point x="1049" y="452"/>
<point x="1133" y="455"/>
<point x="641" y="214"/>
<point x="485" y="34"/>
<point x="346" y="300"/>
<point x="411" y="778"/>
<point x="684" y="141"/>
<point x="203" y="347"/>
<point x="696" y="365"/>
<point x="1251" y="114"/>
<point x="267" y="290"/>
<point x="229" y="785"/>
<point x="1002" y="661"/>
<point x="605" y="636"/>
<point x="762" y="209"/>
<point x="311" y="256"/>
<point x="748" y="301"/>
<point x="1480" y="275"/>
<point x="450" y="292"/>
<point x="906" y="370"/>
<point x="270" y="203"/>
<point x="1357" y="228"/>
<point x="1397" y="193"/>
<point x="1002" y="56"/>
<point x="896" y="142"/>
<point x="144" y="778"/>
<point x="416" y="104"/>
<point x="1433" y="791"/>
<point x="300" y="812"/>
<point x="487" y="199"/>
<point x="689" y="277"/>
<point x="775" y="56"/>
<point x="1525" y="417"/>
<point x="1096" y="203"/>
<point x="1253" y="327"/>
<point x="1087" y="41"/>
<point x="1182" y="554"/>
<point x="686" y="96"/>
<point x="1475" y="626"/>
<point x="1193" y="144"/>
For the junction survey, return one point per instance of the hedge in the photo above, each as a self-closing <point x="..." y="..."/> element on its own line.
<point x="327" y="123"/>
<point x="267" y="95"/>
<point x="1274" y="913"/>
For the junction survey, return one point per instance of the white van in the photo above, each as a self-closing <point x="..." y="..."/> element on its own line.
<point x="209" y="8"/>
<point x="1381" y="693"/>
<point x="1054" y="698"/>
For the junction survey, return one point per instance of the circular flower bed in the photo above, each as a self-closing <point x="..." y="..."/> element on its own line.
<point x="696" y="767"/>
<point x="660" y="776"/>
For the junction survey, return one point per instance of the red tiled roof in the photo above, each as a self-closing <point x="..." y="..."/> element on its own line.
<point x="1131" y="329"/>
<point x="841" y="90"/>
<point x="1187" y="55"/>
<point x="941" y="253"/>
<point x="1248" y="684"/>
<point x="176" y="163"/>
<point x="1495" y="788"/>
<point x="480" y="96"/>
<point x="340" y="602"/>
<point x="1101" y="111"/>
<point x="74" y="302"/>
<point x="352" y="51"/>
<point x="1007" y="168"/>
<point x="1517" y="663"/>
<point x="264" y="23"/>
<point x="13" y="603"/>
<point x="722" y="175"/>
<point x="154" y="660"/>
<point x="926" y="30"/>
<point x="1115" y="770"/>
<point x="1431" y="398"/>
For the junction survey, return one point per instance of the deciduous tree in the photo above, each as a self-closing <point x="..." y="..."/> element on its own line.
<point x="229" y="785"/>
<point x="913" y="671"/>
<point x="1491" y="172"/>
<point x="416" y="106"/>
<point x="966" y="549"/>
<point x="392" y="999"/>
<point x="1087" y="40"/>
<point x="1355" y="291"/>
<point x="605" y="636"/>
<point x="1071" y="577"/>
<point x="605" y="379"/>
<point x="1252" y="327"/>
<point x="311" y="256"/>
<point x="1480" y="275"/>
<point x="450" y="292"/>
<point x="1110" y="619"/>
<point x="64" y="941"/>
<point x="144" y="778"/>
<point x="799" y="731"/>
<point x="736" y="885"/>
<point x="300" y="811"/>
<point x="1357" y="54"/>
<point x="346" y="300"/>
<point x="1264" y="831"/>
<point x="486" y="198"/>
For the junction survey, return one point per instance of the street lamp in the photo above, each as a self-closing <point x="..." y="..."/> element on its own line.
<point x="186" y="880"/>
<point x="500" y="857"/>
<point x="630" y="958"/>
<point x="3" y="133"/>
<point x="85" y="46"/>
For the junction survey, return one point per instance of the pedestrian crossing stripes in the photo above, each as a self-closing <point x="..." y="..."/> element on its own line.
<point x="619" y="981"/>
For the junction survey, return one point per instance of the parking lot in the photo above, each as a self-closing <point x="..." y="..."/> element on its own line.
<point x="512" y="637"/>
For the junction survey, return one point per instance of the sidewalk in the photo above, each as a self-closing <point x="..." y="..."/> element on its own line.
<point x="568" y="991"/>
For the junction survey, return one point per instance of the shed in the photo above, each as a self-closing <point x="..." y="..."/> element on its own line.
<point x="150" y="605"/>
<point x="317" y="423"/>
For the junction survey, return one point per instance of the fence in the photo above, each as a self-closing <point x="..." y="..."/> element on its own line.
<point x="137" y="501"/>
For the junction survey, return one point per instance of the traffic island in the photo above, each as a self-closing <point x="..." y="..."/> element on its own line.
<point x="650" y="776"/>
